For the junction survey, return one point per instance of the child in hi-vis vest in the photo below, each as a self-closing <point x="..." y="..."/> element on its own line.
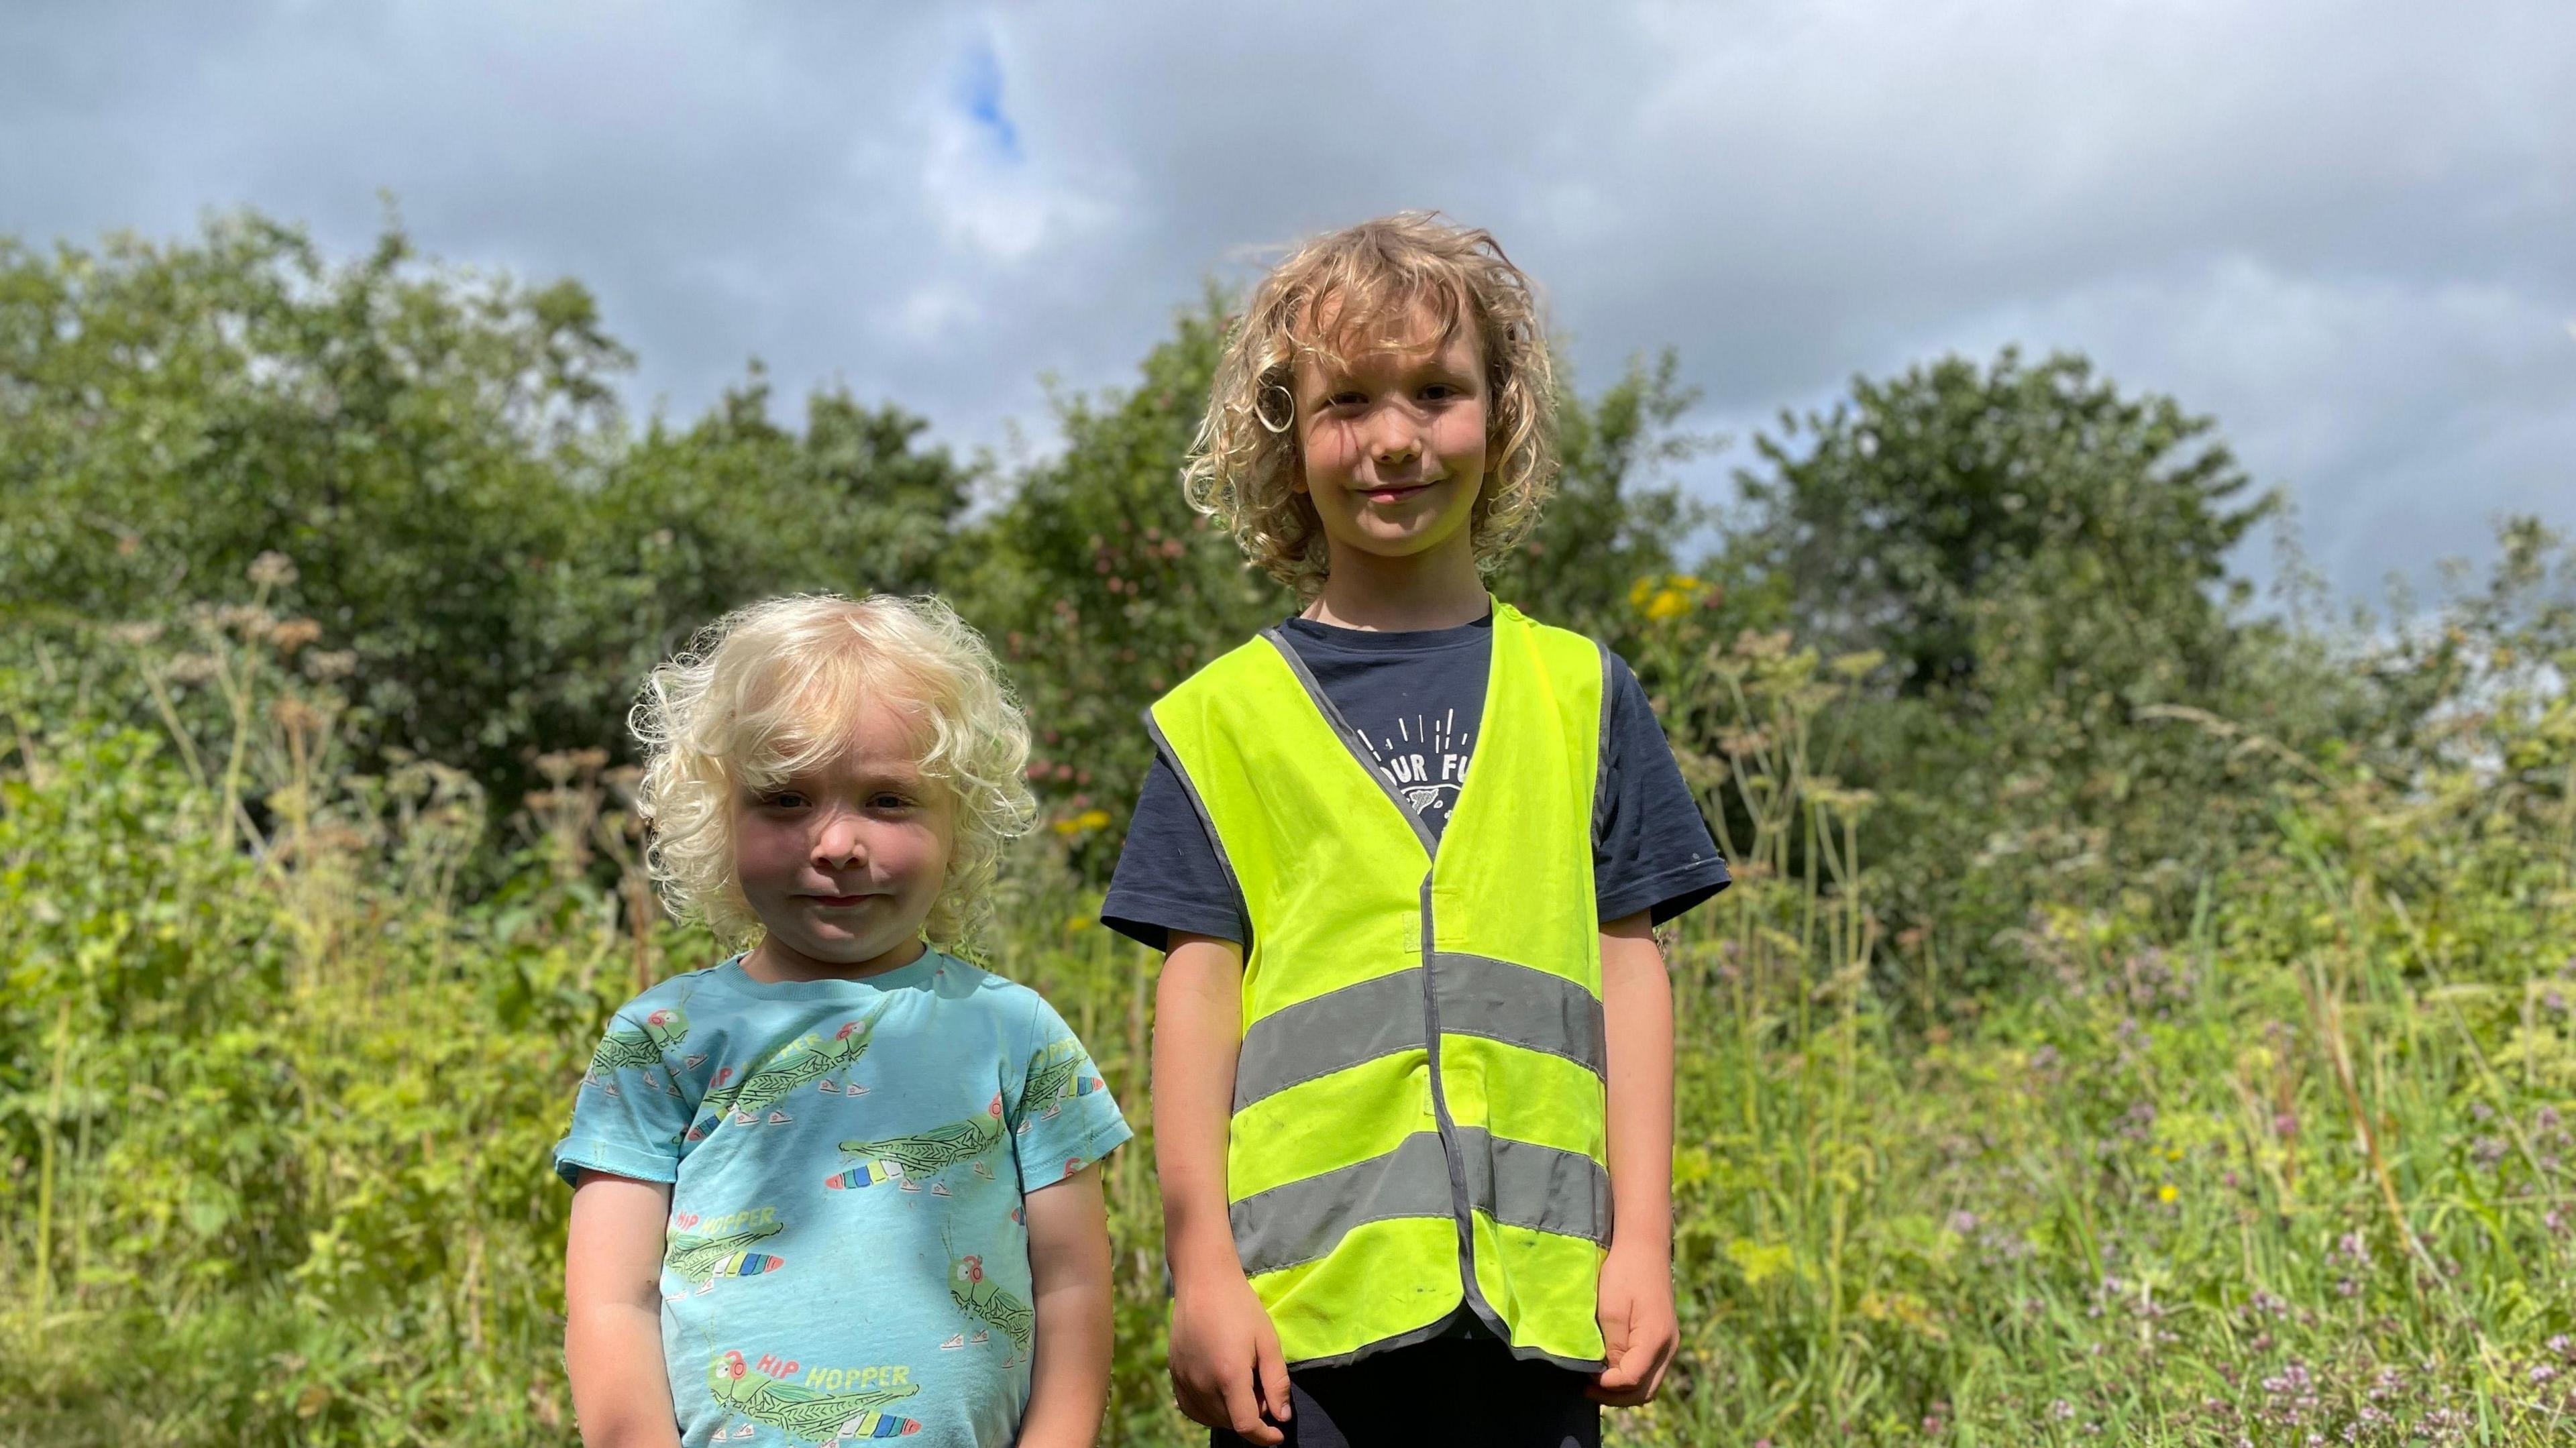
<point x="1413" y="1041"/>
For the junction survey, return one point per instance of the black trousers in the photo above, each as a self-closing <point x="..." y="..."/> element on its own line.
<point x="1466" y="1390"/>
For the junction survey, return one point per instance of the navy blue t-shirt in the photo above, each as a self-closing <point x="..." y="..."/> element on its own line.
<point x="1418" y="697"/>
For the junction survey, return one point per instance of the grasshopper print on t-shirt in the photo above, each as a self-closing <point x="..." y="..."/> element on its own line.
<point x="989" y="1302"/>
<point x="913" y="1161"/>
<point x="703" y="1260"/>
<point x="765" y="1083"/>
<point x="1058" y="1073"/>
<point x="803" y="1413"/>
<point x="645" y="1047"/>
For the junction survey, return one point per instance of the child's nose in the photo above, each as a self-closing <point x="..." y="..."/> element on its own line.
<point x="839" y="844"/>
<point x="1397" y="440"/>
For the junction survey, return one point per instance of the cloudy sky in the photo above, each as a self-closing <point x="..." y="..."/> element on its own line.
<point x="2347" y="228"/>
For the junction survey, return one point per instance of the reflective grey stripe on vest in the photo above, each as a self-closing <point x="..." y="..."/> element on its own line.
<point x="1336" y="1029"/>
<point x="1517" y="1183"/>
<point x="1525" y="1007"/>
<point x="1478" y="997"/>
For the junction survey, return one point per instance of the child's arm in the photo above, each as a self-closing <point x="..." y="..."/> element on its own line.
<point x="621" y="1396"/>
<point x="1226" y="1364"/>
<point x="1637" y="1318"/>
<point x="1069" y="1276"/>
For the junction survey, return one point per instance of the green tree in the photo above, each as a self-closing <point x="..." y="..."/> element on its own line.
<point x="439" y="453"/>
<point x="1898" y="515"/>
<point x="402" y="433"/>
<point x="688" y="523"/>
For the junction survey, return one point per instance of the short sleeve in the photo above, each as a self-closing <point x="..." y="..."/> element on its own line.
<point x="630" y="1114"/>
<point x="1169" y="875"/>
<point x="1059" y="1110"/>
<point x="1651" y="850"/>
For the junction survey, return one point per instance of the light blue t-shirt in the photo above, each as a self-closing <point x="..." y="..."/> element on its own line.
<point x="847" y="1254"/>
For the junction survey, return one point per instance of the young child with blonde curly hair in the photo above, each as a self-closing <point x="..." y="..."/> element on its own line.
<point x="841" y="1184"/>
<point x="1413" y="1037"/>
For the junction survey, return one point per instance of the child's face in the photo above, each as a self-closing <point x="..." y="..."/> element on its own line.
<point x="843" y="864"/>
<point x="1392" y="443"/>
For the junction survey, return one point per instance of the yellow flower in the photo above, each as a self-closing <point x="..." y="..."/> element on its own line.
<point x="2167" y="1192"/>
<point x="1668" y="596"/>
<point x="1093" y="819"/>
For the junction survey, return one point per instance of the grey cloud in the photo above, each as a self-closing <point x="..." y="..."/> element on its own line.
<point x="2339" y="228"/>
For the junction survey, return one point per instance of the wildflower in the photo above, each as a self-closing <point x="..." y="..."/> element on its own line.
<point x="2167" y="1192"/>
<point x="329" y="664"/>
<point x="293" y="634"/>
<point x="272" y="569"/>
<point x="135" y="635"/>
<point x="2061" y="1410"/>
<point x="1668" y="596"/>
<point x="1963" y="1222"/>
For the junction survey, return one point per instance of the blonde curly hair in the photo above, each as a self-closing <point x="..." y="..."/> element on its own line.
<point x="1330" y="295"/>
<point x="769" y="691"/>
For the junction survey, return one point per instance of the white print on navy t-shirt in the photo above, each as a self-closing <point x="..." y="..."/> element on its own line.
<point x="1426" y="761"/>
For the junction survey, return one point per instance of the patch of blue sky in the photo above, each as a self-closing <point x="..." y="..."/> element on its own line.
<point x="979" y="94"/>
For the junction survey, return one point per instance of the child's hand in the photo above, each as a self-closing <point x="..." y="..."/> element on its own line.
<point x="1227" y="1371"/>
<point x="1637" y="1325"/>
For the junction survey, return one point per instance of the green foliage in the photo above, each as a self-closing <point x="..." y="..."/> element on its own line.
<point x="1614" y="519"/>
<point x="2039" y="563"/>
<point x="1952" y="486"/>
<point x="439" y="456"/>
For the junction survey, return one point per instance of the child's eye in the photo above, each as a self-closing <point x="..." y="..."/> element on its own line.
<point x="783" y="799"/>
<point x="1346" y="398"/>
<point x="889" y="801"/>
<point x="1439" y="392"/>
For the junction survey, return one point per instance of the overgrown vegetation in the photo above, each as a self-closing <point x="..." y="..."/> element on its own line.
<point x="2137" y="1020"/>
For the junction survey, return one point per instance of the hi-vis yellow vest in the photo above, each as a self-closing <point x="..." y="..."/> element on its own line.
<point x="1419" y="1099"/>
